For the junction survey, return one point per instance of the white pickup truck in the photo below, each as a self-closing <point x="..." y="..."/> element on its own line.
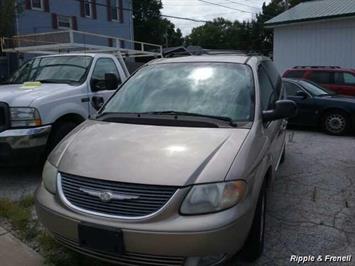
<point x="48" y="97"/>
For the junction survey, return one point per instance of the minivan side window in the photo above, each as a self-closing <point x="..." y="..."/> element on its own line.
<point x="322" y="77"/>
<point x="268" y="96"/>
<point x="104" y="66"/>
<point x="274" y="76"/>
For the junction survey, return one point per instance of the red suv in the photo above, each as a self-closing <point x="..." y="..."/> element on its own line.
<point x="337" y="79"/>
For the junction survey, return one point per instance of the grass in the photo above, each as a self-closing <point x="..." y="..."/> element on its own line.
<point x="27" y="228"/>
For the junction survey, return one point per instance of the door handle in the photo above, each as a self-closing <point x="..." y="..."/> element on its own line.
<point x="97" y="102"/>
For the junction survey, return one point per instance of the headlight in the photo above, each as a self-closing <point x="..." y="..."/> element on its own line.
<point x="213" y="197"/>
<point x="49" y="177"/>
<point x="24" y="117"/>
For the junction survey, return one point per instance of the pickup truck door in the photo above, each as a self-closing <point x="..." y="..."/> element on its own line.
<point x="99" y="92"/>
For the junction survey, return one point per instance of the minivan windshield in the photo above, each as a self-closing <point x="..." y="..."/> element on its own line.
<point x="210" y="89"/>
<point x="53" y="69"/>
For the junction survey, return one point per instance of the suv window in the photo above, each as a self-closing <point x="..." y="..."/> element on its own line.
<point x="349" y="78"/>
<point x="291" y="89"/>
<point x="104" y="66"/>
<point x="268" y="95"/>
<point x="323" y="77"/>
<point x="295" y="74"/>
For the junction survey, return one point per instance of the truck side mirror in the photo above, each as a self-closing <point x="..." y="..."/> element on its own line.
<point x="111" y="81"/>
<point x="283" y="109"/>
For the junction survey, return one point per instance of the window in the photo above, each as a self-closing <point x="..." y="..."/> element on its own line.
<point x="104" y="66"/>
<point x="322" y="77"/>
<point x="64" y="22"/>
<point x="349" y="79"/>
<point x="294" y="74"/>
<point x="267" y="93"/>
<point x="274" y="76"/>
<point x="217" y="89"/>
<point x="54" y="69"/>
<point x="88" y="9"/>
<point x="37" y="4"/>
<point x="115" y="10"/>
<point x="291" y="89"/>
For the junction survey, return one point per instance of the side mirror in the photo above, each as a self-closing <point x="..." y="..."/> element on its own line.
<point x="111" y="81"/>
<point x="301" y="94"/>
<point x="283" y="109"/>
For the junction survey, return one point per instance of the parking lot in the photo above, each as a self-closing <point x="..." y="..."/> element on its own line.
<point x="311" y="205"/>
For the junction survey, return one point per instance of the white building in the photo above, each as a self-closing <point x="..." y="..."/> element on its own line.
<point x="316" y="33"/>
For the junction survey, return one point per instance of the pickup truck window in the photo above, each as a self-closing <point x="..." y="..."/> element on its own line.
<point x="104" y="66"/>
<point x="54" y="69"/>
<point x="214" y="89"/>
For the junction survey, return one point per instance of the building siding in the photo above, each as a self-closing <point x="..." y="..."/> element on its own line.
<point x="36" y="21"/>
<point x="33" y="21"/>
<point x="323" y="43"/>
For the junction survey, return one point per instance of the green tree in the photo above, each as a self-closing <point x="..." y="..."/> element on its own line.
<point x="249" y="36"/>
<point x="212" y="35"/>
<point x="149" y="26"/>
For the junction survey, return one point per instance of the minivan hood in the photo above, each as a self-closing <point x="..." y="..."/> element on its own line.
<point x="20" y="95"/>
<point x="157" y="155"/>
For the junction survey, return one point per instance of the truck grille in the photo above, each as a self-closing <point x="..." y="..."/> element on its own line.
<point x="129" y="258"/>
<point x="85" y="193"/>
<point x="4" y="116"/>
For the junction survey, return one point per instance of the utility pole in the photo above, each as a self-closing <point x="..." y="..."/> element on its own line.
<point x="286" y="4"/>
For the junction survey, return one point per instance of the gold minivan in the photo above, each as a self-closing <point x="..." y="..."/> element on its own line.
<point x="174" y="168"/>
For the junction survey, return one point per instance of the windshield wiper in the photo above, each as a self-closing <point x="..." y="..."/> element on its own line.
<point x="177" y="113"/>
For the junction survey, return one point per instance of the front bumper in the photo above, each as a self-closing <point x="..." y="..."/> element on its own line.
<point x="170" y="236"/>
<point x="20" y="146"/>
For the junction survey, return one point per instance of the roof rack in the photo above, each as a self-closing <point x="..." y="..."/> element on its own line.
<point x="333" y="67"/>
<point x="72" y="41"/>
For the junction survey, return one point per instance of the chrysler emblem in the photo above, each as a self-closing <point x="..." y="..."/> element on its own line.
<point x="107" y="196"/>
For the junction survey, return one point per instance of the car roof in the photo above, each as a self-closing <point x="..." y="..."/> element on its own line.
<point x="239" y="59"/>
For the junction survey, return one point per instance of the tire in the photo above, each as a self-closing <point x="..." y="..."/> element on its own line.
<point x="336" y="123"/>
<point x="254" y="245"/>
<point x="59" y="131"/>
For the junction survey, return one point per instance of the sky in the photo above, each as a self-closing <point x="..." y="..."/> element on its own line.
<point x="196" y="9"/>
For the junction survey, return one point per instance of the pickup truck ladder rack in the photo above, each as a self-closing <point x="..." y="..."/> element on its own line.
<point x="72" y="41"/>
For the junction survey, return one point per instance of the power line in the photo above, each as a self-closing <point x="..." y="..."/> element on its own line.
<point x="237" y="3"/>
<point x="228" y="7"/>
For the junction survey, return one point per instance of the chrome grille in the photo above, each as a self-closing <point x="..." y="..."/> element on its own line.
<point x="150" y="199"/>
<point x="127" y="259"/>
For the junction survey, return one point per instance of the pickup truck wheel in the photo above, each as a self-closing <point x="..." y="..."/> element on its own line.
<point x="254" y="244"/>
<point x="59" y="131"/>
<point x="336" y="123"/>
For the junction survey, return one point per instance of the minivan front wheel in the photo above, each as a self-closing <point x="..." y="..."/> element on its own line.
<point x="254" y="244"/>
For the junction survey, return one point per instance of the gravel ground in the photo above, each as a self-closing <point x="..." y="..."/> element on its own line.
<point x="16" y="183"/>
<point x="311" y="204"/>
